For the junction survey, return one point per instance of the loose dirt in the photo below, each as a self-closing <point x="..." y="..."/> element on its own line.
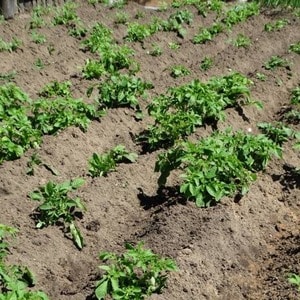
<point x="235" y="250"/>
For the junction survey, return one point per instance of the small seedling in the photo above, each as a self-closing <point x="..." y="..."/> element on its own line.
<point x="242" y="41"/>
<point x="139" y="15"/>
<point x="8" y="76"/>
<point x="10" y="46"/>
<point x="121" y="18"/>
<point x="206" y="63"/>
<point x="295" y="96"/>
<point x="261" y="76"/>
<point x="39" y="63"/>
<point x="174" y="46"/>
<point x="295" y="48"/>
<point x="179" y="71"/>
<point x="155" y="50"/>
<point x="50" y="49"/>
<point x="77" y="30"/>
<point x="58" y="206"/>
<point x="292" y="116"/>
<point x="133" y="275"/>
<point x="279" y="24"/>
<point x="294" y="279"/>
<point x="275" y="62"/>
<point x="207" y="34"/>
<point x="38" y="38"/>
<point x="100" y="165"/>
<point x="34" y="160"/>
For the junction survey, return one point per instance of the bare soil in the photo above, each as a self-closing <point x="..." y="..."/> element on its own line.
<point x="235" y="250"/>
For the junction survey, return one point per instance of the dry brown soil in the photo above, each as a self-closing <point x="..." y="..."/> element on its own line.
<point x="234" y="250"/>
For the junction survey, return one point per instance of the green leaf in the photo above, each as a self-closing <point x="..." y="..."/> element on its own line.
<point x="36" y="196"/>
<point x="101" y="290"/>
<point x="77" y="237"/>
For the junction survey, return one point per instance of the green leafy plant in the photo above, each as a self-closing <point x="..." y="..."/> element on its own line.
<point x="121" y="18"/>
<point x="16" y="131"/>
<point x="292" y="116"/>
<point x="242" y="41"/>
<point x="174" y="46"/>
<point x="51" y="116"/>
<point x="34" y="160"/>
<point x="58" y="206"/>
<point x="133" y="275"/>
<point x="155" y="50"/>
<point x="261" y="76"/>
<point x="240" y="13"/>
<point x="100" y="37"/>
<point x="77" y="30"/>
<point x="178" y="71"/>
<point x="66" y="14"/>
<point x="275" y="62"/>
<point x="295" y="48"/>
<point x="50" y="49"/>
<point x="206" y="63"/>
<point x="295" y="96"/>
<point x="93" y="69"/>
<point x="15" y="280"/>
<point x="9" y="76"/>
<point x="204" y="7"/>
<point x="222" y="164"/>
<point x="294" y="279"/>
<point x="38" y="38"/>
<point x="139" y="15"/>
<point x="186" y="107"/>
<point x="10" y="46"/>
<point x="55" y="89"/>
<point x="100" y="165"/>
<point x="176" y="20"/>
<point x="207" y="34"/>
<point x="122" y="90"/>
<point x="137" y="32"/>
<point x="278" y="132"/>
<point x="37" y="20"/>
<point x="115" y="58"/>
<point x="39" y="63"/>
<point x="276" y="26"/>
<point x="280" y="3"/>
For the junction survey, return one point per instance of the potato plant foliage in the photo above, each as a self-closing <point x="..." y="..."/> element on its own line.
<point x="178" y="112"/>
<point x="23" y="122"/>
<point x="58" y="206"/>
<point x="15" y="280"/>
<point x="220" y="165"/>
<point x="100" y="165"/>
<point x="133" y="275"/>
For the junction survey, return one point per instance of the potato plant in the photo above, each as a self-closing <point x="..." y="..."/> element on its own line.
<point x="122" y="90"/>
<point x="221" y="165"/>
<point x="58" y="206"/>
<point x="183" y="108"/>
<point x="100" y="165"/>
<point x="15" y="281"/>
<point x="135" y="274"/>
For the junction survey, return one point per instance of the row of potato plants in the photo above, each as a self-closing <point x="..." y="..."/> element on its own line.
<point x="221" y="165"/>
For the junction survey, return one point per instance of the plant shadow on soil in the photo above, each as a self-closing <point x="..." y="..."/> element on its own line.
<point x="165" y="196"/>
<point x="289" y="179"/>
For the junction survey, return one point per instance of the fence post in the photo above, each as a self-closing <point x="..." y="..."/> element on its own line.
<point x="8" y="8"/>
